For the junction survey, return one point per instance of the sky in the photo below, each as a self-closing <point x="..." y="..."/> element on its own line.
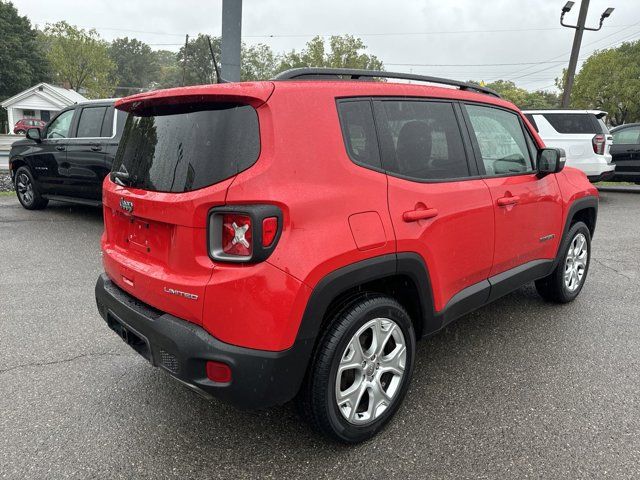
<point x="519" y="40"/>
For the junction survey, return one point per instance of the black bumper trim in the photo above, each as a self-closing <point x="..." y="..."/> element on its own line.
<point x="602" y="177"/>
<point x="260" y="378"/>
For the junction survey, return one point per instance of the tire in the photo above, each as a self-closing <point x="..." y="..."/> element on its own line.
<point x="380" y="380"/>
<point x="20" y="132"/>
<point x="27" y="190"/>
<point x="555" y="287"/>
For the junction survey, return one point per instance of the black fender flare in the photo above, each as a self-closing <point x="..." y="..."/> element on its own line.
<point x="351" y="276"/>
<point x="579" y="204"/>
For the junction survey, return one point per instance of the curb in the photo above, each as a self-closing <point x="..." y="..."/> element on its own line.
<point x="628" y="189"/>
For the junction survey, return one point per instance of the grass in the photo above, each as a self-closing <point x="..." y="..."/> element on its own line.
<point x="615" y="184"/>
<point x="7" y="194"/>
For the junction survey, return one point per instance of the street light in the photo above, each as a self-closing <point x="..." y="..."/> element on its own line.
<point x="567" y="7"/>
<point x="577" y="40"/>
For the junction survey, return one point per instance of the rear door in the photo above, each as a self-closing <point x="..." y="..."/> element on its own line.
<point x="86" y="153"/>
<point x="439" y="206"/>
<point x="528" y="209"/>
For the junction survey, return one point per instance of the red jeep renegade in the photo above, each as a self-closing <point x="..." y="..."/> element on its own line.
<point x="295" y="237"/>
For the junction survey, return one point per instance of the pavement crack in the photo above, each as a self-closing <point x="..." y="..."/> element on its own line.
<point x="64" y="360"/>
<point x="613" y="269"/>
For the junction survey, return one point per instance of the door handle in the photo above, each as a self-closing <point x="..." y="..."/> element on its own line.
<point x="504" y="201"/>
<point x="60" y="148"/>
<point x="415" y="215"/>
<point x="96" y="148"/>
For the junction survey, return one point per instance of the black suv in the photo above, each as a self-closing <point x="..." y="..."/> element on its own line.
<point x="69" y="158"/>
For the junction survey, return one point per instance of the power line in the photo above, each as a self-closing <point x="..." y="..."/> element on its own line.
<point x="364" y="34"/>
<point x="468" y="64"/>
<point x="586" y="45"/>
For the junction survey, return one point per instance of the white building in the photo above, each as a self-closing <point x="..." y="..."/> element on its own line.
<point x="40" y="101"/>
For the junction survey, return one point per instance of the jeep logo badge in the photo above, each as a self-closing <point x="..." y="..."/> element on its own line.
<point x="126" y="205"/>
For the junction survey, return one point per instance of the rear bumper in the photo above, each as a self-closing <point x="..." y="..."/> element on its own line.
<point x="259" y="378"/>
<point x="602" y="177"/>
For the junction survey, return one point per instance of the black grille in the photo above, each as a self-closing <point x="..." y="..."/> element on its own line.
<point x="169" y="361"/>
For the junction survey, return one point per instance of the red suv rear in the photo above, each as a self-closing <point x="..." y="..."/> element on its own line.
<point x="24" y="124"/>
<point x="295" y="237"/>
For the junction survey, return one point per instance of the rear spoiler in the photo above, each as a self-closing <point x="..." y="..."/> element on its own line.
<point x="250" y="93"/>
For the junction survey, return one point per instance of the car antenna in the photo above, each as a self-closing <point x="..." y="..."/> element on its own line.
<point x="219" y="79"/>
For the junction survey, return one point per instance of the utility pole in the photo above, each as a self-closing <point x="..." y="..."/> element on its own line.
<point x="231" y="39"/>
<point x="184" y="60"/>
<point x="577" y="41"/>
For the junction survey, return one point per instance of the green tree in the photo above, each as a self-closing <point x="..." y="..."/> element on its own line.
<point x="345" y="51"/>
<point x="80" y="59"/>
<point x="23" y="62"/>
<point x="199" y="65"/>
<point x="169" y="71"/>
<point x="258" y="62"/>
<point x="610" y="80"/>
<point x="523" y="98"/>
<point x="136" y="65"/>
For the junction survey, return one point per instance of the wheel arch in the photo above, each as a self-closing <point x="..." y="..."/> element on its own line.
<point x="583" y="209"/>
<point x="15" y="163"/>
<point x="402" y="276"/>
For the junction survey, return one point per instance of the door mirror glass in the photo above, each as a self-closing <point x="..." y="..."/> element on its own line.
<point x="551" y="160"/>
<point x="34" y="134"/>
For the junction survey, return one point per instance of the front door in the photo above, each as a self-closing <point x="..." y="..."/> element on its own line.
<point x="48" y="158"/>
<point x="438" y="210"/>
<point x="626" y="152"/>
<point x="86" y="155"/>
<point x="528" y="208"/>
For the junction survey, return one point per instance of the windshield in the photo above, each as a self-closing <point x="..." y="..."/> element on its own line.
<point x="179" y="148"/>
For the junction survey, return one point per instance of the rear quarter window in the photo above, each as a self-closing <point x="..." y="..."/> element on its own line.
<point x="577" y="123"/>
<point x="359" y="132"/>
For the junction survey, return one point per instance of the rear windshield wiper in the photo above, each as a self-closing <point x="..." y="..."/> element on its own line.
<point x="121" y="178"/>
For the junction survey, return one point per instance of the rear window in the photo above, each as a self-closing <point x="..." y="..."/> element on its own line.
<point x="574" y="122"/>
<point x="90" y="123"/>
<point x="179" y="148"/>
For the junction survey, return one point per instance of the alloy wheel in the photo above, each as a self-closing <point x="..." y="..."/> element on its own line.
<point x="371" y="371"/>
<point x="575" y="264"/>
<point x="24" y="188"/>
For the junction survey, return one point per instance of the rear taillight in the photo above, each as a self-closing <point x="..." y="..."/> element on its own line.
<point x="599" y="142"/>
<point x="246" y="233"/>
<point x="237" y="235"/>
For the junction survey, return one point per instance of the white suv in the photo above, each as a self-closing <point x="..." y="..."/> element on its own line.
<point x="582" y="134"/>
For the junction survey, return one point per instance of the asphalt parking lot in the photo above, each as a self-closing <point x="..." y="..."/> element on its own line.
<point x="519" y="389"/>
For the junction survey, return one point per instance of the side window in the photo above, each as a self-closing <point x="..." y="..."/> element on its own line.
<point x="359" y="132"/>
<point x="627" y="136"/>
<point x="532" y="120"/>
<point x="533" y="149"/>
<point x="572" y="123"/>
<point x="90" y="123"/>
<point x="59" y="128"/>
<point x="501" y="141"/>
<point x="424" y="140"/>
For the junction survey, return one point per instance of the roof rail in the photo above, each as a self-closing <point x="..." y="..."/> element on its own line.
<point x="358" y="74"/>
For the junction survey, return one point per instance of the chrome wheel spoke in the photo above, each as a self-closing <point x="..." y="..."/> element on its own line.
<point x="575" y="264"/>
<point x="368" y="379"/>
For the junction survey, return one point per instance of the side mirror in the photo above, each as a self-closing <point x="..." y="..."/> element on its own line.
<point x="34" y="134"/>
<point x="551" y="160"/>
